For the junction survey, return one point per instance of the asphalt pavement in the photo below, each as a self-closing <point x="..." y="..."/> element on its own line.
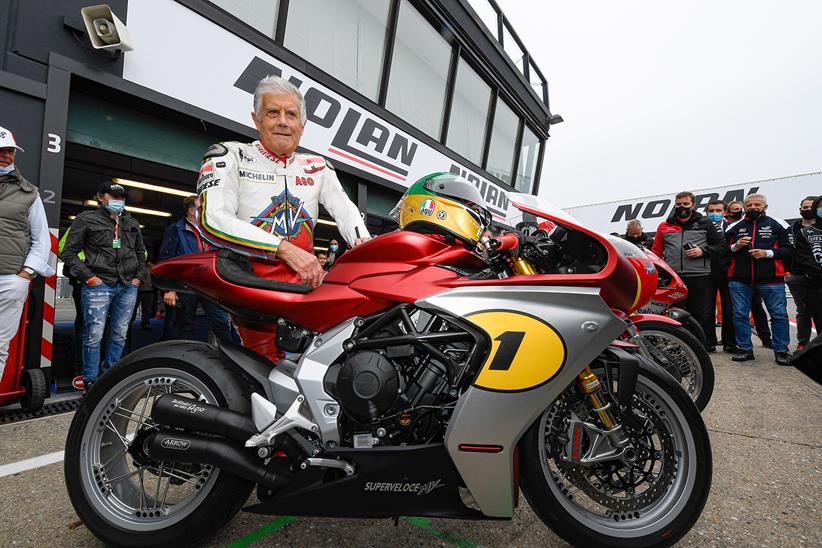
<point x="765" y="424"/>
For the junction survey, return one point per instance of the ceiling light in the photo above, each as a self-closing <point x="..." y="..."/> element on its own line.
<point x="324" y="222"/>
<point x="318" y="248"/>
<point x="133" y="209"/>
<point x="156" y="188"/>
<point x="72" y="217"/>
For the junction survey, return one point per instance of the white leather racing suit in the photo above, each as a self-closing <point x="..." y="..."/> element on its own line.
<point x="251" y="199"/>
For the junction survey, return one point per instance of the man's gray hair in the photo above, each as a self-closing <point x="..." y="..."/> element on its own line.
<point x="632" y="223"/>
<point x="275" y="84"/>
<point x="760" y="197"/>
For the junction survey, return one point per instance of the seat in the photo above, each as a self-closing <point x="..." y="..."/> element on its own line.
<point x="236" y="269"/>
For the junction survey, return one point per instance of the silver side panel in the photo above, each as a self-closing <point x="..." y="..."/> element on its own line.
<point x="484" y="417"/>
<point x="309" y="378"/>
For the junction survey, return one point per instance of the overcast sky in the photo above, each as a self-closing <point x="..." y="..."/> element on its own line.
<point x="664" y="96"/>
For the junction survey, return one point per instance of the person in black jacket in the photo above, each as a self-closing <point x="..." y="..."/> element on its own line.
<point x="635" y="235"/>
<point x="808" y="260"/>
<point x="112" y="271"/>
<point x="798" y="284"/>
<point x="761" y="247"/>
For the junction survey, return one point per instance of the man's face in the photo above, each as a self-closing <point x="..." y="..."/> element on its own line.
<point x="685" y="201"/>
<point x="716" y="208"/>
<point x="279" y="123"/>
<point x="755" y="204"/>
<point x="104" y="198"/>
<point x="735" y="208"/>
<point x="7" y="155"/>
<point x="322" y="258"/>
<point x="635" y="230"/>
<point x="806" y="205"/>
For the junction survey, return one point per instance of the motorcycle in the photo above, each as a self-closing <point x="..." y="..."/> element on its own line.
<point x="672" y="337"/>
<point x="433" y="379"/>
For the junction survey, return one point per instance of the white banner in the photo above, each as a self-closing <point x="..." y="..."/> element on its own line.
<point x="784" y="196"/>
<point x="183" y="55"/>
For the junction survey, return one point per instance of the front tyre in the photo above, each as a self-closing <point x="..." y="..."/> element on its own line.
<point x="653" y="501"/>
<point x="121" y="495"/>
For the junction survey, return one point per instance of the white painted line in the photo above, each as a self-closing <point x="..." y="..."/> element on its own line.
<point x="30" y="464"/>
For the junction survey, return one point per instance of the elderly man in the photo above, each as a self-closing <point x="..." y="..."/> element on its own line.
<point x="24" y="241"/>
<point x="262" y="199"/>
<point x="761" y="248"/>
<point x="635" y="235"/>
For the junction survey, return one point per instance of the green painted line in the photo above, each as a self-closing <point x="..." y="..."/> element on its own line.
<point x="448" y="536"/>
<point x="262" y="532"/>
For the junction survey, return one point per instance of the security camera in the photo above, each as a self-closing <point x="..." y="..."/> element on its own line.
<point x="105" y="30"/>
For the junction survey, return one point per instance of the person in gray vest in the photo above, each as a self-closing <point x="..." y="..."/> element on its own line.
<point x="24" y="242"/>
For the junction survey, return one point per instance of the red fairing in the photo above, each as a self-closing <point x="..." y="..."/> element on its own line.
<point x="671" y="292"/>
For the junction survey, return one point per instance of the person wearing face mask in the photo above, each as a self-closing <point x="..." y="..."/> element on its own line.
<point x="798" y="284"/>
<point x="334" y="253"/>
<point x="24" y="241"/>
<point x="112" y="270"/>
<point x="736" y="210"/>
<point x="808" y="261"/>
<point x="761" y="247"/>
<point x="635" y="235"/>
<point x="715" y="212"/>
<point x="687" y="241"/>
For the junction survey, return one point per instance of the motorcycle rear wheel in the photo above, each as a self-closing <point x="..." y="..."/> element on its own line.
<point x="576" y="503"/>
<point x="130" y="502"/>
<point x="695" y="370"/>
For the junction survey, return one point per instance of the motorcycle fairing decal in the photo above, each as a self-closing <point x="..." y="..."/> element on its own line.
<point x="526" y="351"/>
<point x="285" y="216"/>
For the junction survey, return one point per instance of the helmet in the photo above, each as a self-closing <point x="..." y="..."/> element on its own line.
<point x="443" y="203"/>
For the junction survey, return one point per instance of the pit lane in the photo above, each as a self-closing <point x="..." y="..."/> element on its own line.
<point x="765" y="424"/>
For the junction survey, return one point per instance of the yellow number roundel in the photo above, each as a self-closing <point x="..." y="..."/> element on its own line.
<point x="526" y="352"/>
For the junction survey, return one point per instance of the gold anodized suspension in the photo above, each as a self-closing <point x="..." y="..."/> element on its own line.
<point x="590" y="386"/>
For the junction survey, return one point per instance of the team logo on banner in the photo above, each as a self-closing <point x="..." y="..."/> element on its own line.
<point x="427" y="207"/>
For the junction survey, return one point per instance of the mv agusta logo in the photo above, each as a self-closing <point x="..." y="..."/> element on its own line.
<point x="172" y="443"/>
<point x="403" y="487"/>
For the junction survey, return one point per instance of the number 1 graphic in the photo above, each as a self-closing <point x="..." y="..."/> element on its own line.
<point x="509" y="343"/>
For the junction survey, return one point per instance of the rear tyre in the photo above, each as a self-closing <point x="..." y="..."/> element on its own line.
<point x="122" y="496"/>
<point x="688" y="360"/>
<point x="653" y="501"/>
<point x="34" y="382"/>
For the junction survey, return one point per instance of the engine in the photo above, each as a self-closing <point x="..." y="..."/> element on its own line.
<point x="399" y="382"/>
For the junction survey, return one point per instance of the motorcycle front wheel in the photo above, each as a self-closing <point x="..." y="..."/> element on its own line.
<point x="680" y="353"/>
<point x="120" y="494"/>
<point x="652" y="501"/>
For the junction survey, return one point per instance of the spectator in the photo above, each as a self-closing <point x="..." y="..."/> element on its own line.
<point x="719" y="284"/>
<point x="808" y="259"/>
<point x="760" y="246"/>
<point x="112" y="270"/>
<point x="183" y="238"/>
<point x="334" y="253"/>
<point x="147" y="297"/>
<point x="323" y="258"/>
<point x="24" y="242"/>
<point x="736" y="210"/>
<point x="635" y="235"/>
<point x="798" y="283"/>
<point x="686" y="241"/>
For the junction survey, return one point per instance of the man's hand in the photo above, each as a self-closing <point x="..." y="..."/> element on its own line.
<point x="742" y="242"/>
<point x="694" y="252"/>
<point x="359" y="241"/>
<point x="95" y="281"/>
<point x="170" y="298"/>
<point x="302" y="262"/>
<point x="24" y="274"/>
<point x="759" y="253"/>
<point x="136" y="282"/>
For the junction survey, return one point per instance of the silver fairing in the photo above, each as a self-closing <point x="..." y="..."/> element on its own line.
<point x="484" y="417"/>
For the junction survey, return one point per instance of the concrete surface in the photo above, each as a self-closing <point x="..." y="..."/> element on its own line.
<point x="765" y="424"/>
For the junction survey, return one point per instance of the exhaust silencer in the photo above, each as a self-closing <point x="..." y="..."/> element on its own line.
<point x="188" y="414"/>
<point x="191" y="448"/>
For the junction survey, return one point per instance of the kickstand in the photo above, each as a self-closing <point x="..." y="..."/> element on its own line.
<point x="396" y="521"/>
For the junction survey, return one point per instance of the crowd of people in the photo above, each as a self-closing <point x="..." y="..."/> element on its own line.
<point x="739" y="255"/>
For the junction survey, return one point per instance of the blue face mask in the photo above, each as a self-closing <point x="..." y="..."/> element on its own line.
<point x="333" y="247"/>
<point x="819" y="212"/>
<point x="116" y="206"/>
<point x="6" y="170"/>
<point x="715" y="217"/>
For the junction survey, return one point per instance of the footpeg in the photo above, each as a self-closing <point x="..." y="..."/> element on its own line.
<point x="328" y="463"/>
<point x="292" y="418"/>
